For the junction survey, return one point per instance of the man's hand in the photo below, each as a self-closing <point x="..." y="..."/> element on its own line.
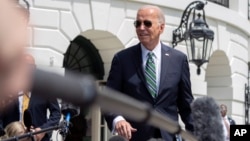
<point x="39" y="137"/>
<point x="123" y="128"/>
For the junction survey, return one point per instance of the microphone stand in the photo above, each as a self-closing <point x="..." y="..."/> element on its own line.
<point x="62" y="127"/>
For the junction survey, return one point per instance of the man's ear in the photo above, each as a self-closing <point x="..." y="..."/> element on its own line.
<point x="162" y="27"/>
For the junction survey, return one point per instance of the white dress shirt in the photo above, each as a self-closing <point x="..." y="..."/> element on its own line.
<point x="20" y="100"/>
<point x="225" y="131"/>
<point x="157" y="61"/>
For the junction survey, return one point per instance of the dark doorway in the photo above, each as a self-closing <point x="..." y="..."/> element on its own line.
<point x="82" y="57"/>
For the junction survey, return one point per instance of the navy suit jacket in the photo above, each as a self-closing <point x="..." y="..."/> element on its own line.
<point x="231" y="121"/>
<point x="38" y="108"/>
<point x="174" y="96"/>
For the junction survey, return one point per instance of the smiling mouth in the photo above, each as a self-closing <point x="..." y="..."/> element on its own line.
<point x="143" y="35"/>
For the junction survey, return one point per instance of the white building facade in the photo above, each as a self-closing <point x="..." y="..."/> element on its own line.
<point x="108" y="24"/>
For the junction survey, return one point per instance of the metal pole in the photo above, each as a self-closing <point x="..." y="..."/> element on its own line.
<point x="247" y="97"/>
<point x="95" y="122"/>
<point x="31" y="134"/>
<point x="246" y="105"/>
<point x="96" y="118"/>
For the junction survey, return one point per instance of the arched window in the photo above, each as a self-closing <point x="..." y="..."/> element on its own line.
<point x="221" y="2"/>
<point x="82" y="56"/>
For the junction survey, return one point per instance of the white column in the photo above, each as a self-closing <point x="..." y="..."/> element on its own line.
<point x="240" y="6"/>
<point x="95" y="123"/>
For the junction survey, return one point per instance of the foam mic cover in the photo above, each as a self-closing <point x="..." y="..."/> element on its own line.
<point x="27" y="119"/>
<point x="207" y="120"/>
<point x="68" y="108"/>
<point x="117" y="138"/>
<point x="75" y="88"/>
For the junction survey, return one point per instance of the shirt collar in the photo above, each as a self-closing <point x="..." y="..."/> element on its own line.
<point x="156" y="51"/>
<point x="22" y="92"/>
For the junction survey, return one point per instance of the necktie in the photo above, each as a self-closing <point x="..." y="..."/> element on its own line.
<point x="26" y="100"/>
<point x="227" y="126"/>
<point x="150" y="75"/>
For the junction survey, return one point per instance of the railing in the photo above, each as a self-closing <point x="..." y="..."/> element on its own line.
<point x="224" y="3"/>
<point x="99" y="129"/>
<point x="128" y="106"/>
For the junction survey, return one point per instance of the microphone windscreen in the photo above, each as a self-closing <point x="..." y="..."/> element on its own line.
<point x="67" y="107"/>
<point x="207" y="120"/>
<point x="27" y="119"/>
<point x="117" y="138"/>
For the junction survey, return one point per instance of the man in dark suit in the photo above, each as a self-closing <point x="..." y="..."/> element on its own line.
<point x="223" y="110"/>
<point x="37" y="107"/>
<point x="231" y="121"/>
<point x="227" y="121"/>
<point x="154" y="73"/>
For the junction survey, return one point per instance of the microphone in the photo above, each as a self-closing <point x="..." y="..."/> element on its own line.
<point x="78" y="89"/>
<point x="67" y="118"/>
<point x="207" y="120"/>
<point x="28" y="122"/>
<point x="69" y="111"/>
<point x="117" y="138"/>
<point x="27" y="119"/>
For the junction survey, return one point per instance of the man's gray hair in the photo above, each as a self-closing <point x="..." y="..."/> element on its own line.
<point x="161" y="16"/>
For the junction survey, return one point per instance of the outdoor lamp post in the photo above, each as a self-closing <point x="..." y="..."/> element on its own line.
<point x="27" y="4"/>
<point x="247" y="96"/>
<point x="196" y="33"/>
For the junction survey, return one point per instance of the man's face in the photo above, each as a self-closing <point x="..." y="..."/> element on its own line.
<point x="223" y="111"/>
<point x="13" y="33"/>
<point x="148" y="27"/>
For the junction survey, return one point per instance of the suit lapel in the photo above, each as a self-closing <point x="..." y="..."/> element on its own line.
<point x="30" y="102"/>
<point x="138" y="63"/>
<point x="164" y="66"/>
<point x="16" y="109"/>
